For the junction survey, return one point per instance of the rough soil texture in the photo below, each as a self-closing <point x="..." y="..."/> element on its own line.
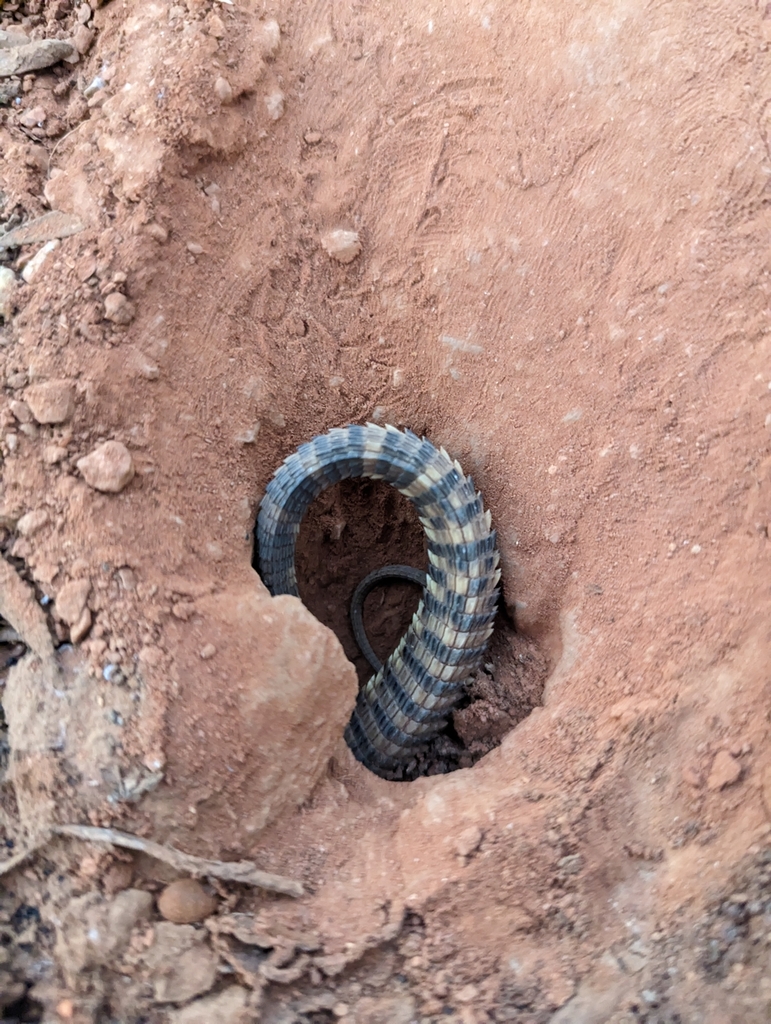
<point x="563" y="278"/>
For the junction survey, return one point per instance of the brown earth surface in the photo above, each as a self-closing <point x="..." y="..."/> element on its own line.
<point x="563" y="214"/>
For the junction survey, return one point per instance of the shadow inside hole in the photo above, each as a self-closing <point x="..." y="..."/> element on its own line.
<point x="350" y="530"/>
<point x="361" y="525"/>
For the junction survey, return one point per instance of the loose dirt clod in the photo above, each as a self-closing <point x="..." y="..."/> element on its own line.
<point x="108" y="468"/>
<point x="52" y="402"/>
<point x="341" y="244"/>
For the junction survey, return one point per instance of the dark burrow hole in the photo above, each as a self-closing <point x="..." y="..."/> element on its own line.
<point x="358" y="526"/>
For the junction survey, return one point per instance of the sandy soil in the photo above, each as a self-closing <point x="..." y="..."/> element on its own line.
<point x="563" y="212"/>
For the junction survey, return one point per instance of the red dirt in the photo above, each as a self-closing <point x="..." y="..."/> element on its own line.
<point x="564" y="280"/>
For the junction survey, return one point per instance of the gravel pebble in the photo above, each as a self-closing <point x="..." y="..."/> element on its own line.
<point x="17" y="380"/>
<point x="35" y="265"/>
<point x="71" y="600"/>
<point x="274" y="104"/>
<point x="468" y="841"/>
<point x="269" y="38"/>
<point x="186" y="902"/>
<point x="207" y="651"/>
<point x="31" y="522"/>
<point x="118" y="309"/>
<point x="223" y="90"/>
<point x="53" y="454"/>
<point x="82" y="38"/>
<point x="7" y="292"/>
<point x="725" y="771"/>
<point x="21" y="411"/>
<point x="342" y="245"/>
<point x="108" y="468"/>
<point x="51" y="402"/>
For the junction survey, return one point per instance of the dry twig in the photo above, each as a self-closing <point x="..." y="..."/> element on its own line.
<point x="243" y="871"/>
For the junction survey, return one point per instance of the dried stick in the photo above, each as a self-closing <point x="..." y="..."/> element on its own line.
<point x="243" y="871"/>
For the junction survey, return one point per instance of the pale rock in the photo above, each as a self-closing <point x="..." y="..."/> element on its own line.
<point x="182" y="966"/>
<point x="230" y="1006"/>
<point x="268" y="37"/>
<point x="341" y="244"/>
<point x="69" y="190"/>
<point x="34" y="117"/>
<point x="20" y="411"/>
<point x="468" y="841"/>
<point x="71" y="600"/>
<point x="52" y="401"/>
<point x="725" y="771"/>
<point x="8" y="286"/>
<point x="35" y="265"/>
<point x="80" y="630"/>
<point x="215" y="26"/>
<point x="82" y="39"/>
<point x="223" y="90"/>
<point x="118" y="309"/>
<point x="54" y="454"/>
<point x="108" y="468"/>
<point x="274" y="104"/>
<point x="31" y="522"/>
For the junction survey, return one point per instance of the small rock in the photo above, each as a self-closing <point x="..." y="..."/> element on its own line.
<point x="34" y="117"/>
<point x="248" y="436"/>
<point x="183" y="965"/>
<point x="223" y="90"/>
<point x="127" y="578"/>
<point x="7" y="292"/>
<point x="342" y="245"/>
<point x="230" y="1006"/>
<point x="274" y="103"/>
<point x="207" y="652"/>
<point x="725" y="771"/>
<point x="12" y="442"/>
<point x="269" y="38"/>
<point x="65" y="1008"/>
<point x="32" y="269"/>
<point x="17" y="380"/>
<point x="215" y="26"/>
<point x="82" y="38"/>
<point x="108" y="468"/>
<point x="156" y="231"/>
<point x="572" y="864"/>
<point x="467" y="994"/>
<point x="51" y="402"/>
<point x="194" y="248"/>
<point x="29" y="430"/>
<point x="312" y="138"/>
<point x="468" y="841"/>
<point x="71" y="600"/>
<point x="80" y="630"/>
<point x="21" y="411"/>
<point x="54" y="454"/>
<point x="31" y="522"/>
<point x="118" y="309"/>
<point x="83" y="14"/>
<point x="186" y="902"/>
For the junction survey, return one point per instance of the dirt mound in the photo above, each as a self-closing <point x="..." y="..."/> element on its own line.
<point x="560" y="273"/>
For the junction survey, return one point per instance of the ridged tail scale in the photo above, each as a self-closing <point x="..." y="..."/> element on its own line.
<point x="406" y="703"/>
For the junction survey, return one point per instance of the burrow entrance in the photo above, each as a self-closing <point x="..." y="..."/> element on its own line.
<point x="358" y="526"/>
